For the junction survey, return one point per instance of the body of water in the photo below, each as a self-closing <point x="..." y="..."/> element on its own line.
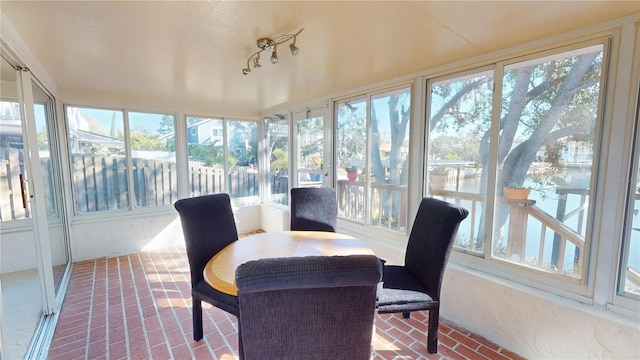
<point x="547" y="201"/>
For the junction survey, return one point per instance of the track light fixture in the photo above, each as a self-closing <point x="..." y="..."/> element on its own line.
<point x="269" y="44"/>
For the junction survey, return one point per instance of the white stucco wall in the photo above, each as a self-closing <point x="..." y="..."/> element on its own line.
<point x="17" y="251"/>
<point x="532" y="323"/>
<point x="274" y="218"/>
<point x="105" y="238"/>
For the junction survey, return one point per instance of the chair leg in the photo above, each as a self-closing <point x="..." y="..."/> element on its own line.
<point x="197" y="319"/>
<point x="432" y="335"/>
<point x="406" y="315"/>
<point x="240" y="347"/>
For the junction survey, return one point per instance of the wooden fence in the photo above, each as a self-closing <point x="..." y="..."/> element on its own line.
<point x="12" y="205"/>
<point x="101" y="183"/>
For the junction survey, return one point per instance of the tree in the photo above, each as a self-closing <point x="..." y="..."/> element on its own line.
<point x="352" y="133"/>
<point x="210" y="154"/>
<point x="399" y="106"/>
<point x="145" y="141"/>
<point x="243" y="142"/>
<point x="166" y="125"/>
<point x="311" y="141"/>
<point x="542" y="104"/>
<point x="277" y="139"/>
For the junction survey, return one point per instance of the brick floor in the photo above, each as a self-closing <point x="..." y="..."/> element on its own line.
<point x="139" y="307"/>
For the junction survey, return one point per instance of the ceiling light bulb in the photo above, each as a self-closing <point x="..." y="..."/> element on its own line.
<point x="265" y="44"/>
<point x="294" y="49"/>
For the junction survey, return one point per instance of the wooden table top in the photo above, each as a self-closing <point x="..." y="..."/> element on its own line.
<point x="220" y="271"/>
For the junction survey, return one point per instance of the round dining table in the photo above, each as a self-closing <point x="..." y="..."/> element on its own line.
<point x="221" y="269"/>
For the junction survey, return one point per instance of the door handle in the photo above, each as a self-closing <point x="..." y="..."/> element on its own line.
<point x="22" y="193"/>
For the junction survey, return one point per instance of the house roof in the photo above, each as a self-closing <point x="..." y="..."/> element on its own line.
<point x="186" y="55"/>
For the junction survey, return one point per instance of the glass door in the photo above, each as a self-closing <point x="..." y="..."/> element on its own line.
<point x="312" y="160"/>
<point x="33" y="242"/>
<point x="48" y="164"/>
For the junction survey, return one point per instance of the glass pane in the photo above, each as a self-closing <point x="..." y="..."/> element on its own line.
<point x="242" y="137"/>
<point x="352" y="155"/>
<point x="98" y="160"/>
<point x="459" y="129"/>
<point x="310" y="151"/>
<point x="629" y="281"/>
<point x="390" y="115"/>
<point x="630" y="270"/>
<point x="277" y="138"/>
<point x="11" y="158"/>
<point x="50" y="168"/>
<point x="205" y="143"/>
<point x="153" y="158"/>
<point x="19" y="277"/>
<point x="549" y="113"/>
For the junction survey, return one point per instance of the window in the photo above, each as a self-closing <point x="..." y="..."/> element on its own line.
<point x="222" y="161"/>
<point x="11" y="158"/>
<point x="99" y="167"/>
<point x="546" y="144"/>
<point x="206" y="157"/>
<point x="101" y="171"/>
<point x="276" y="129"/>
<point x="309" y="144"/>
<point x="460" y="124"/>
<point x="629" y="280"/>
<point x="153" y="159"/>
<point x="242" y="137"/>
<point x="372" y="152"/>
<point x="351" y="152"/>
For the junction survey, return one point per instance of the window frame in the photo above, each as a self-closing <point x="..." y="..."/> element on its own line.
<point x="394" y="236"/>
<point x="265" y="169"/>
<point x="306" y="114"/>
<point x="630" y="196"/>
<point x="131" y="207"/>
<point x="239" y="200"/>
<point x="620" y="301"/>
<point x="582" y="289"/>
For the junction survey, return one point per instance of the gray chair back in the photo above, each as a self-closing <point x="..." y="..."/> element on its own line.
<point x="314" y="209"/>
<point x="208" y="226"/>
<point x="317" y="307"/>
<point x="432" y="235"/>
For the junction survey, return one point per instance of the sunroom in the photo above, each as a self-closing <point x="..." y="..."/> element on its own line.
<point x="112" y="111"/>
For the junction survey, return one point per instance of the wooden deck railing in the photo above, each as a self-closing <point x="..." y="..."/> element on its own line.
<point x="387" y="204"/>
<point x="351" y="195"/>
<point x="519" y="234"/>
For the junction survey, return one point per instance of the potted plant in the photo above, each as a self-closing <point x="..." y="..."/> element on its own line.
<point x="438" y="176"/>
<point x="352" y="173"/>
<point x="516" y="192"/>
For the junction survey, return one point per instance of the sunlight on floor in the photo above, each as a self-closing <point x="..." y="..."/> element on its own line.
<point x="22" y="310"/>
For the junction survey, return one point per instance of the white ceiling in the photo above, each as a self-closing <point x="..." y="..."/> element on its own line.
<point x="186" y="55"/>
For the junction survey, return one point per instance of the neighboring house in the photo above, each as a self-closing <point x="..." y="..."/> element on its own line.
<point x="207" y="131"/>
<point x="82" y="140"/>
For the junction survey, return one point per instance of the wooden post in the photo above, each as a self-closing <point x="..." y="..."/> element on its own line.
<point x="517" y="236"/>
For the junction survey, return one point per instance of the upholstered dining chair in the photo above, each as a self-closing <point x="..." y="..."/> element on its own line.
<point x="416" y="285"/>
<point x="316" y="307"/>
<point x="314" y="209"/>
<point x="208" y="226"/>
